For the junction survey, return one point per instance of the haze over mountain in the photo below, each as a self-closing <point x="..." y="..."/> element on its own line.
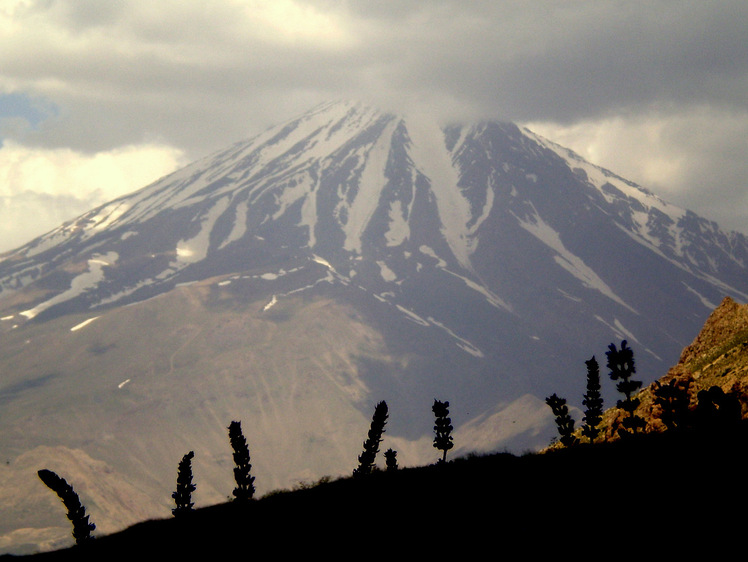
<point x="293" y="280"/>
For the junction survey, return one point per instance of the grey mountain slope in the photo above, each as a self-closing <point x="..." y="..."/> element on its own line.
<point x="475" y="263"/>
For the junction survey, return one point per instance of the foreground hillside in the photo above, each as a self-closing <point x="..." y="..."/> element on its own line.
<point x="657" y="493"/>
<point x="667" y="489"/>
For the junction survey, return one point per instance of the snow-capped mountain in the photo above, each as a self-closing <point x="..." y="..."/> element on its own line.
<point x="357" y="189"/>
<point x="490" y="234"/>
<point x="477" y="263"/>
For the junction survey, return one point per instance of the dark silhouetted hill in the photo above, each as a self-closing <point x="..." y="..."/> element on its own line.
<point x="659" y="494"/>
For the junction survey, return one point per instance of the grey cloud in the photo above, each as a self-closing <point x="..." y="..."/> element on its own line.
<point x="565" y="61"/>
<point x="200" y="75"/>
<point x="549" y="61"/>
<point x="714" y="179"/>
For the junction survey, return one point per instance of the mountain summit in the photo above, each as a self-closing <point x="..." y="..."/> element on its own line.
<point x="345" y="257"/>
<point x="361" y="188"/>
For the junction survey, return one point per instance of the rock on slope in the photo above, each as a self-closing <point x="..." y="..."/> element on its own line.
<point x="718" y="356"/>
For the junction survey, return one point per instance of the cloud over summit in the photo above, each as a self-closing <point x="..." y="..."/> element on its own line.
<point x="611" y="78"/>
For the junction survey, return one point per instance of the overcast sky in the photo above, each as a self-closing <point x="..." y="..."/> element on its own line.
<point x="101" y="97"/>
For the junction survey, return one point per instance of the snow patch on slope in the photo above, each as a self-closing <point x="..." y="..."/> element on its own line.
<point x="270" y="304"/>
<point x="196" y="248"/>
<point x="105" y="216"/>
<point x="492" y="299"/>
<point x="566" y="259"/>
<point x="428" y="251"/>
<point x="462" y="343"/>
<point x="373" y="179"/>
<point x="239" y="227"/>
<point x="706" y="302"/>
<point x="83" y="324"/>
<point x="399" y="229"/>
<point x="432" y="158"/>
<point x="79" y="284"/>
<point x="386" y="273"/>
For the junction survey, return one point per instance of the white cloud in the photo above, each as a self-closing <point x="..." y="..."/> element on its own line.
<point x="41" y="188"/>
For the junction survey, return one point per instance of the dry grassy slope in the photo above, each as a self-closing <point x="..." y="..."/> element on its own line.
<point x="114" y="404"/>
<point x="79" y="402"/>
<point x="718" y="356"/>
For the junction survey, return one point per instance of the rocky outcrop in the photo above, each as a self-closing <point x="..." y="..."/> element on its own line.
<point x="717" y="357"/>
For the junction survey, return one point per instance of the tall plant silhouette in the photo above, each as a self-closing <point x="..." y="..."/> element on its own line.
<point x="183" y="494"/>
<point x="622" y="368"/>
<point x="564" y="421"/>
<point x="245" y="488"/>
<point x="82" y="527"/>
<point x="593" y="401"/>
<point x="442" y="428"/>
<point x="371" y="445"/>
